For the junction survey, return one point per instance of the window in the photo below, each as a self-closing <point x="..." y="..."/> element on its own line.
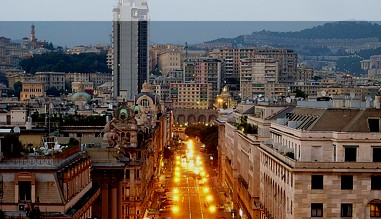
<point x="350" y="154"/>
<point x="334" y="153"/>
<point x="25" y="191"/>
<point x="317" y="182"/>
<point x="376" y="182"/>
<point x="376" y="154"/>
<point x="346" y="182"/>
<point x="346" y="210"/>
<point x="316" y="209"/>
<point x="374" y="125"/>
<point x="375" y="210"/>
<point x="144" y="102"/>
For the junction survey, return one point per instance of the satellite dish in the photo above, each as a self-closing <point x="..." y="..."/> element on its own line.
<point x="352" y="95"/>
<point x="369" y="98"/>
<point x="323" y="93"/>
<point x="288" y="100"/>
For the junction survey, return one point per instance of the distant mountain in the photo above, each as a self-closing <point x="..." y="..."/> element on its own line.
<point x="335" y="30"/>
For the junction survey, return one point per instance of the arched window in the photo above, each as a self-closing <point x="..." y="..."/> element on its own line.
<point x="144" y="102"/>
<point x="375" y="208"/>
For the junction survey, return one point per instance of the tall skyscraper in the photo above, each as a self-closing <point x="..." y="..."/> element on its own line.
<point x="130" y="47"/>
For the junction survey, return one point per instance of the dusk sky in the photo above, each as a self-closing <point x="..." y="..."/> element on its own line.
<point x="196" y="10"/>
<point x="248" y="12"/>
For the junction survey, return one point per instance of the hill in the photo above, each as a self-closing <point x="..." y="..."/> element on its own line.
<point x="334" y="30"/>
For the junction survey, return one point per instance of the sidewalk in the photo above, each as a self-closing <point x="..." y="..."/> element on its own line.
<point x="220" y="196"/>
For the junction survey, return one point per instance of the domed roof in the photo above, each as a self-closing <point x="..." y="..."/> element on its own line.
<point x="81" y="96"/>
<point x="136" y="108"/>
<point x="153" y="97"/>
<point x="225" y="92"/>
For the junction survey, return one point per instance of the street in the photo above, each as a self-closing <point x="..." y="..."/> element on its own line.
<point x="190" y="190"/>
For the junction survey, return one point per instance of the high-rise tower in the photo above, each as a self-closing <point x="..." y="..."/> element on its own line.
<point x="130" y="47"/>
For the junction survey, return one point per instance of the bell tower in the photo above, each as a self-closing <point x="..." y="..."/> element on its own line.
<point x="33" y="39"/>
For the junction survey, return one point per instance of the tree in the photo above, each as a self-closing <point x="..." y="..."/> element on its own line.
<point x="207" y="134"/>
<point x="11" y="146"/>
<point x="52" y="91"/>
<point x="73" y="142"/>
<point x="245" y="127"/>
<point x="300" y="93"/>
<point x="17" y="88"/>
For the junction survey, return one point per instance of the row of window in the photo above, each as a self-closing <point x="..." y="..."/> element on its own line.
<point x="317" y="182"/>
<point x="346" y="210"/>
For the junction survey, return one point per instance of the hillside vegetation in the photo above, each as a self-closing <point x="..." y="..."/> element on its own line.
<point x="61" y="62"/>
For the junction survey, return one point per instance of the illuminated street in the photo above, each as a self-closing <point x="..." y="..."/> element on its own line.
<point x="190" y="191"/>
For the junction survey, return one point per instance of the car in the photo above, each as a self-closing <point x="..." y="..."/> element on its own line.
<point x="166" y="208"/>
<point x="167" y="202"/>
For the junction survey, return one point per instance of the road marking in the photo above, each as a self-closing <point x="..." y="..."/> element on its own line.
<point x="189" y="201"/>
<point x="198" y="195"/>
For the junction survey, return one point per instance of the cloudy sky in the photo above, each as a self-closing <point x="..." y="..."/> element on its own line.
<point x="196" y="10"/>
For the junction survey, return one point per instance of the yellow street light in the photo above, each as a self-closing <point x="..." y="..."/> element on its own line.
<point x="209" y="198"/>
<point x="176" y="198"/>
<point x="175" y="190"/>
<point x="212" y="209"/>
<point x="205" y="189"/>
<point x="175" y="209"/>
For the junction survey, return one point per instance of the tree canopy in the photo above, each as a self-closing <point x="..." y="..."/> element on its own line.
<point x="207" y="135"/>
<point x="61" y="62"/>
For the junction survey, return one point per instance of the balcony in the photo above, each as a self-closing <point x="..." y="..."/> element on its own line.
<point x="286" y="159"/>
<point x="50" y="161"/>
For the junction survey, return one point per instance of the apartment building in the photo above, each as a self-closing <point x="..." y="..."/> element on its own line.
<point x="312" y="162"/>
<point x="231" y="65"/>
<point x="287" y="60"/>
<point x="96" y="78"/>
<point x="257" y="72"/>
<point x="47" y="186"/>
<point x="170" y="61"/>
<point x="191" y="95"/>
<point x="239" y="155"/>
<point x="204" y="70"/>
<point x="51" y="79"/>
<point x="31" y="89"/>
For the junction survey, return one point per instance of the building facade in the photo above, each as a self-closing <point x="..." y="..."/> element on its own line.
<point x="51" y="79"/>
<point x="204" y="70"/>
<point x="287" y="60"/>
<point x="128" y="162"/>
<point x="50" y="187"/>
<point x="31" y="89"/>
<point x="257" y="72"/>
<point x="302" y="163"/>
<point x="191" y="95"/>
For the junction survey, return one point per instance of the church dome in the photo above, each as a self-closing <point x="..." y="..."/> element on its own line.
<point x="81" y="96"/>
